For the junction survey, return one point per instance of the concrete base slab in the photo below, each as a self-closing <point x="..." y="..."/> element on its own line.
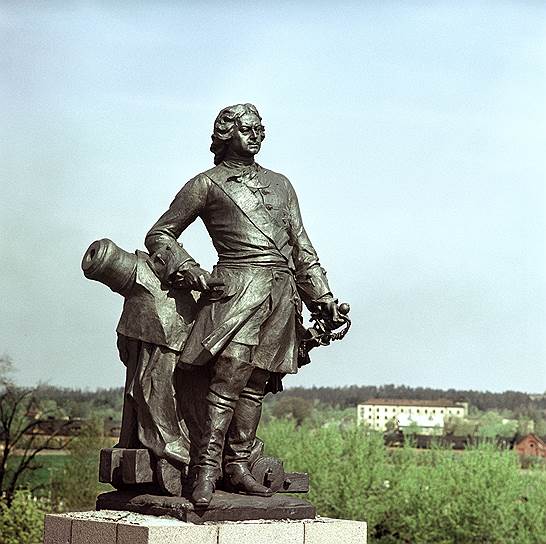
<point x="116" y="527"/>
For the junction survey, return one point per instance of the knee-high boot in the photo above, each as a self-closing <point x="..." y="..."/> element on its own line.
<point x="242" y="431"/>
<point x="240" y="438"/>
<point x="219" y="415"/>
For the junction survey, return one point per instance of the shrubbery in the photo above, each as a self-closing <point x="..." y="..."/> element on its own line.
<point x="407" y="495"/>
<point x="75" y="485"/>
<point x="23" y="522"/>
<point x="72" y="485"/>
<point x="437" y="496"/>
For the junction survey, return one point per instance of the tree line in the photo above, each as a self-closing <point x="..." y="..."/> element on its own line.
<point x="82" y="403"/>
<point x="347" y="396"/>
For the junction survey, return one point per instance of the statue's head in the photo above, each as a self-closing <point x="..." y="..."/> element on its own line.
<point x="238" y="132"/>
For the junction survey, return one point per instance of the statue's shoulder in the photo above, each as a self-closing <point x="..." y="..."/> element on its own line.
<point x="215" y="173"/>
<point x="276" y="176"/>
<point x="202" y="181"/>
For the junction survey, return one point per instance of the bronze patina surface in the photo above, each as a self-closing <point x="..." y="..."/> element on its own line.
<point x="203" y="348"/>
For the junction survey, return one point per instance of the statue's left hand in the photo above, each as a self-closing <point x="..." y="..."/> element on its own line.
<point x="329" y="310"/>
<point x="196" y="279"/>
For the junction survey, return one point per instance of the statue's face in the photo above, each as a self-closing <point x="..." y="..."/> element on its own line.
<point x="247" y="136"/>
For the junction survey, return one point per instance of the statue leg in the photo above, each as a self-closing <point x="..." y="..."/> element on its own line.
<point x="242" y="433"/>
<point x="230" y="375"/>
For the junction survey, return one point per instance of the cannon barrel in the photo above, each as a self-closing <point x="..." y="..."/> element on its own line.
<point x="107" y="263"/>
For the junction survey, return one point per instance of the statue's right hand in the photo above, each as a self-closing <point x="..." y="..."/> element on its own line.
<point x="196" y="279"/>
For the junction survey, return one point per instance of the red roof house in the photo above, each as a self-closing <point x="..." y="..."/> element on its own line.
<point x="531" y="444"/>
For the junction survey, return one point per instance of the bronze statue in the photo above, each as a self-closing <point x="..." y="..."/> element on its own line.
<point x="249" y="323"/>
<point x="217" y="357"/>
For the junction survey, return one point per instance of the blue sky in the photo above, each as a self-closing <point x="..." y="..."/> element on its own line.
<point x="414" y="134"/>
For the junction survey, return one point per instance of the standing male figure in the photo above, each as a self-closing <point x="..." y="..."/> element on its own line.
<point x="248" y="327"/>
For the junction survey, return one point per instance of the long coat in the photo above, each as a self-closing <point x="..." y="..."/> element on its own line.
<point x="265" y="259"/>
<point x="154" y="313"/>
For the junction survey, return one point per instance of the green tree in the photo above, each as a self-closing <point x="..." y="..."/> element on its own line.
<point x="391" y="425"/>
<point x="412" y="429"/>
<point x="50" y="407"/>
<point x="76" y="484"/>
<point x="23" y="521"/>
<point x="18" y="437"/>
<point x="459" y="426"/>
<point x="293" y="407"/>
<point x="540" y="425"/>
<point x="491" y="424"/>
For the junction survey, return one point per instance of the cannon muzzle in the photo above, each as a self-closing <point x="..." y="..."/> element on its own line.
<point x="104" y="261"/>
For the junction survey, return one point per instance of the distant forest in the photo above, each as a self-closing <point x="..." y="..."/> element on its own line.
<point x="80" y="403"/>
<point x="343" y="397"/>
<point x="351" y="395"/>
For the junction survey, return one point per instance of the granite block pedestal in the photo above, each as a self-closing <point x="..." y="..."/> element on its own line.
<point x="116" y="527"/>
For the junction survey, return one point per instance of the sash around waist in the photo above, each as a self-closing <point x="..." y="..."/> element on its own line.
<point x="280" y="266"/>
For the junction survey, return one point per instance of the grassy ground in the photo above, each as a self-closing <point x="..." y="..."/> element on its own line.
<point x="39" y="479"/>
<point x="48" y="471"/>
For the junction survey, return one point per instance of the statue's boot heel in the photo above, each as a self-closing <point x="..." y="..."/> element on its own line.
<point x="204" y="488"/>
<point x="202" y="493"/>
<point x="240" y="480"/>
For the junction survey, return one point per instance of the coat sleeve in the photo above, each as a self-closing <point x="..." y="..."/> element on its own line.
<point x="161" y="241"/>
<point x="310" y="276"/>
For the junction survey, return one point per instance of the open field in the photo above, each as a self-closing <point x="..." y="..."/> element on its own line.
<point x="39" y="479"/>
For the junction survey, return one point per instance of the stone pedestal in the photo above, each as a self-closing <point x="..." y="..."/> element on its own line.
<point x="116" y="527"/>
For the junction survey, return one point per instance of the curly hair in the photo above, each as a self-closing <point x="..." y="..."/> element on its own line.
<point x="224" y="124"/>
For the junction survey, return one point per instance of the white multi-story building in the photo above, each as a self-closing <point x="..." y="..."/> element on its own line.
<point x="427" y="414"/>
